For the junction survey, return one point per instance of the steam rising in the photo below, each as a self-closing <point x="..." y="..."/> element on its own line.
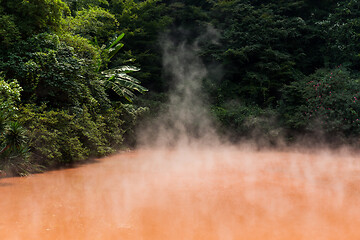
<point x="186" y="121"/>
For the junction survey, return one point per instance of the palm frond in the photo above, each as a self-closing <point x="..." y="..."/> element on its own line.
<point x="131" y="85"/>
<point x="117" y="40"/>
<point x="15" y="135"/>
<point x="114" y="50"/>
<point x="121" y="69"/>
<point x="127" y="77"/>
<point x="123" y="92"/>
<point x="117" y="78"/>
<point x="121" y="83"/>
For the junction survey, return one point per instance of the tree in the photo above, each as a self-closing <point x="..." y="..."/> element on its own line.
<point x="342" y="31"/>
<point x="36" y="16"/>
<point x="78" y="5"/>
<point x="9" y="31"/>
<point x="94" y="23"/>
<point x="260" y="49"/>
<point x="326" y="101"/>
<point x="142" y="22"/>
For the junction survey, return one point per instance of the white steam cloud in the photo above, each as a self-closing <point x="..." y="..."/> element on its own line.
<point x="186" y="121"/>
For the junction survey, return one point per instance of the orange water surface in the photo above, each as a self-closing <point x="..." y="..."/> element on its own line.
<point x="189" y="194"/>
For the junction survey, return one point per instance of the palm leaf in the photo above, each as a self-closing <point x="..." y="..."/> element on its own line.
<point x="128" y="94"/>
<point x="126" y="69"/>
<point x="121" y="69"/>
<point x="113" y="51"/>
<point x="118" y="79"/>
<point x="117" y="40"/>
<point x="109" y="82"/>
<point x="15" y="135"/>
<point x="131" y="85"/>
<point x="123" y="92"/>
<point x="127" y="77"/>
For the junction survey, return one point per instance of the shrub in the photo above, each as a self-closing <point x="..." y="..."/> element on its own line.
<point x="240" y="121"/>
<point x="14" y="150"/>
<point x="327" y="100"/>
<point x="9" y="95"/>
<point x="94" y="23"/>
<point x="13" y="143"/>
<point x="53" y="70"/>
<point x="59" y="137"/>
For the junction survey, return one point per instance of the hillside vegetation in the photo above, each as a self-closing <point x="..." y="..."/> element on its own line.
<point x="73" y="73"/>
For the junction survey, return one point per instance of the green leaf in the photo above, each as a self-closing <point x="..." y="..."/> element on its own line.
<point x="113" y="51"/>
<point x="117" y="40"/>
<point x="127" y="77"/>
<point x="131" y="85"/>
<point x="121" y="69"/>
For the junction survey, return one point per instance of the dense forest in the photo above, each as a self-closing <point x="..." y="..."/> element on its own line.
<point x="77" y="76"/>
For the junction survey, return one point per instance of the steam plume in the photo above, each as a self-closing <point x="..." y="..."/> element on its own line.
<point x="186" y="121"/>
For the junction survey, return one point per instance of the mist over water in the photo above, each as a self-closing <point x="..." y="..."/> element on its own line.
<point x="184" y="183"/>
<point x="212" y="194"/>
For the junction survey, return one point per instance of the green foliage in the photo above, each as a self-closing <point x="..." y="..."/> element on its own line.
<point x="58" y="137"/>
<point x="234" y="115"/>
<point x="94" y="23"/>
<point x="67" y="115"/>
<point x="260" y="46"/>
<point x="35" y="16"/>
<point x="17" y="163"/>
<point x="270" y="54"/>
<point x="9" y="96"/>
<point x="238" y="121"/>
<point x="142" y="22"/>
<point x="326" y="101"/>
<point x="13" y="143"/>
<point x="117" y="78"/>
<point x="57" y="73"/>
<point x="121" y="83"/>
<point x="14" y="136"/>
<point x="83" y="48"/>
<point x="77" y="5"/>
<point x="9" y="32"/>
<point x="342" y="31"/>
<point x="188" y="15"/>
<point x="115" y="47"/>
<point x="130" y="115"/>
